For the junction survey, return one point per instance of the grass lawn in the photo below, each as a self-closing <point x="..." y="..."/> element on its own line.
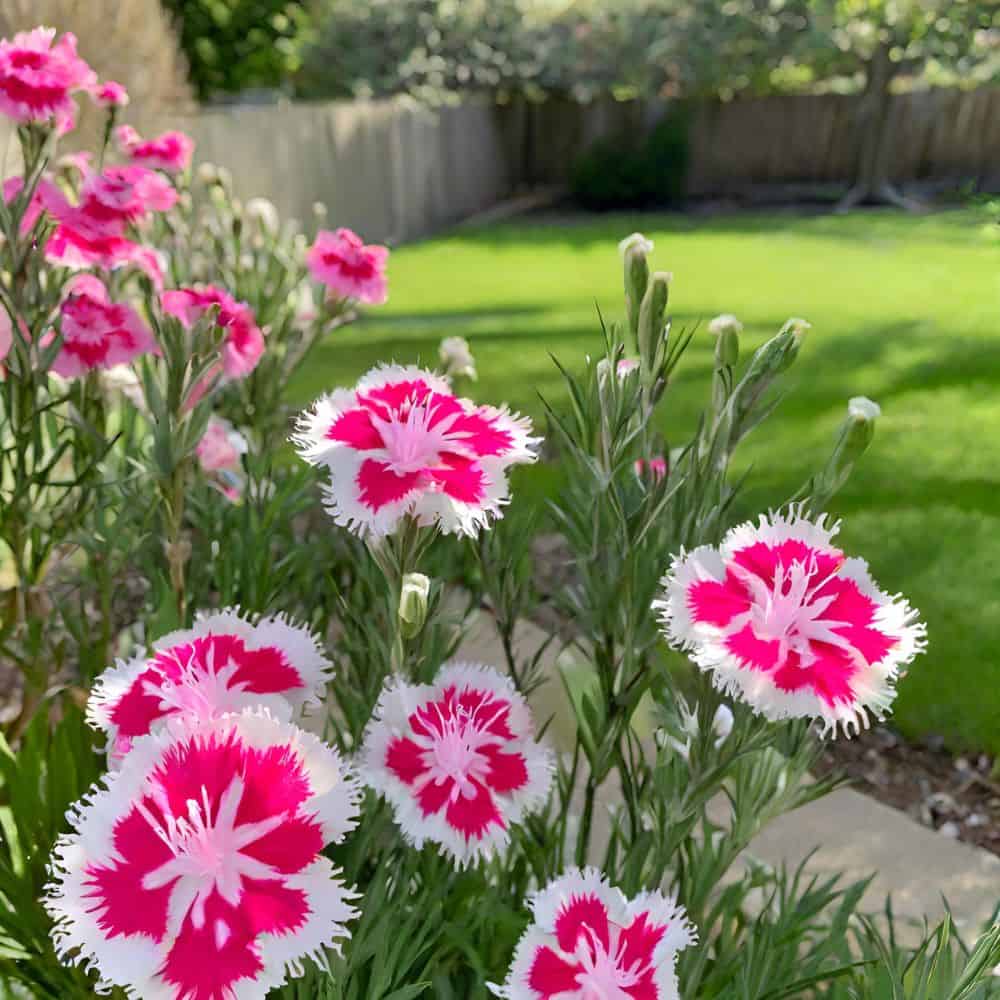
<point x="905" y="310"/>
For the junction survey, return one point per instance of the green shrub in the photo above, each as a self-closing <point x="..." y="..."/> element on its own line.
<point x="618" y="173"/>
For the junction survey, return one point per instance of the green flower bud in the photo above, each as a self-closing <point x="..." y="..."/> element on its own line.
<point x="413" y="596"/>
<point x="634" y="250"/>
<point x="652" y="315"/>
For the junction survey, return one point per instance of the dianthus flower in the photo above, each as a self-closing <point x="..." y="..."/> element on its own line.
<point x="457" y="759"/>
<point x="402" y="444"/>
<point x="781" y="618"/>
<point x="195" y="871"/>
<point x="225" y="663"/>
<point x="587" y="941"/>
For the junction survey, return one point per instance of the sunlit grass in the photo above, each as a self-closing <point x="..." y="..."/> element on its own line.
<point x="904" y="309"/>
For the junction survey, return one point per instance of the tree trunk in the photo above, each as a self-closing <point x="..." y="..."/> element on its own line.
<point x="872" y="184"/>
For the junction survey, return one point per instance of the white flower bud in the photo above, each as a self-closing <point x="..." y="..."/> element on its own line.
<point x="456" y="357"/>
<point x="263" y="212"/>
<point x="413" y="596"/>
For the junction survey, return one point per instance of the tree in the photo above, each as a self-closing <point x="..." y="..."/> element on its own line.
<point x="881" y="41"/>
<point x="234" y="45"/>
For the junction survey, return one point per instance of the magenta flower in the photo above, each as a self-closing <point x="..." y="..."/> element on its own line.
<point x="781" y="618"/>
<point x="457" y="759"/>
<point x="225" y="663"/>
<point x="74" y="248"/>
<point x="110" y="95"/>
<point x="348" y="268"/>
<point x="38" y="78"/>
<point x="121" y="196"/>
<point x="170" y="152"/>
<point x="654" y="468"/>
<point x="92" y="233"/>
<point x="195" y="872"/>
<point x="587" y="941"/>
<point x="401" y="444"/>
<point x="97" y="333"/>
<point x="244" y="341"/>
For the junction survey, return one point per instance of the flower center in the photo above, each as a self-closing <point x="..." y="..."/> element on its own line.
<point x="199" y="690"/>
<point x="602" y="977"/>
<point x="789" y="610"/>
<point x="412" y="439"/>
<point x="207" y="851"/>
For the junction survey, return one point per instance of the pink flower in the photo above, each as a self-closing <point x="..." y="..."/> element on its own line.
<point x="38" y="78"/>
<point x="221" y="446"/>
<point x="656" y="468"/>
<point x="401" y="444"/>
<point x="587" y="940"/>
<point x="170" y="152"/>
<point x="244" y="341"/>
<point x="6" y="333"/>
<point x="195" y="871"/>
<point x="457" y="759"/>
<point x="348" y="268"/>
<point x="74" y="248"/>
<point x="225" y="663"/>
<point x="121" y="196"/>
<point x="110" y="95"/>
<point x="45" y="197"/>
<point x="97" y="333"/>
<point x="781" y="618"/>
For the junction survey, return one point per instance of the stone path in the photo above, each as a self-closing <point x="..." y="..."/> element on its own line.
<point x="854" y="833"/>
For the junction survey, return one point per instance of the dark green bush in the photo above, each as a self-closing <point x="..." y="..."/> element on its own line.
<point x="621" y="173"/>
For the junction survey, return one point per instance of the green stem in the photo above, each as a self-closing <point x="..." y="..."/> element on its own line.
<point x="586" y="821"/>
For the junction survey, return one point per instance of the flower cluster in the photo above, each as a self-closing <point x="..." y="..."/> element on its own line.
<point x="781" y="618"/>
<point x="402" y="444"/>
<point x="216" y="815"/>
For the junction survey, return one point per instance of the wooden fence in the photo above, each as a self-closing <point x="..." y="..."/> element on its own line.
<point x="397" y="171"/>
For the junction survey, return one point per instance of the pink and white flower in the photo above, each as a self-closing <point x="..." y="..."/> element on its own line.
<point x="195" y="872"/>
<point x="348" y="268"/>
<point x="96" y="332"/>
<point x="781" y="618"/>
<point x="587" y="941"/>
<point x="401" y="444"/>
<point x="110" y="95"/>
<point x="225" y="663"/>
<point x="170" y="152"/>
<point x="457" y="759"/>
<point x="38" y="78"/>
<point x="244" y="342"/>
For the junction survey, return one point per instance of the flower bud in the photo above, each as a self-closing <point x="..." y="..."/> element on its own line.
<point x="634" y="250"/>
<point x="722" y="724"/>
<point x="856" y="434"/>
<point x="651" y="318"/>
<point x="726" y="329"/>
<point x="413" y="596"/>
